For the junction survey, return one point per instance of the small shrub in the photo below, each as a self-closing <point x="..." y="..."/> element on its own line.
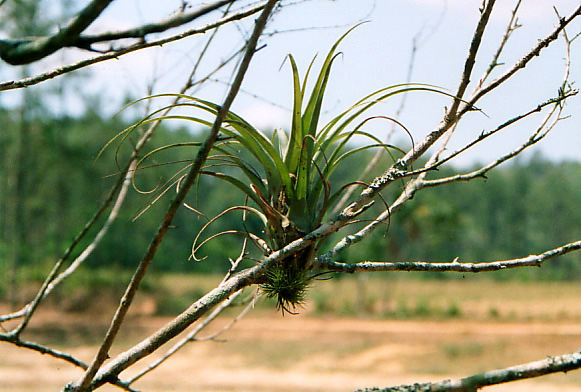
<point x="320" y="302"/>
<point x="168" y="304"/>
<point x="453" y="310"/>
<point x="423" y="308"/>
<point x="402" y="311"/>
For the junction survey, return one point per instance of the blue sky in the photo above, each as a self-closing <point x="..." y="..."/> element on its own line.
<point x="375" y="55"/>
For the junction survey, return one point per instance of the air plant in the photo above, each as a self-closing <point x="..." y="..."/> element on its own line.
<point x="289" y="182"/>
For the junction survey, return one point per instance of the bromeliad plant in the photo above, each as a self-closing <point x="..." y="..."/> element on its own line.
<point x="289" y="182"/>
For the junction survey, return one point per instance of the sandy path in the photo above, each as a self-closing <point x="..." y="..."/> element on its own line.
<point x="310" y="354"/>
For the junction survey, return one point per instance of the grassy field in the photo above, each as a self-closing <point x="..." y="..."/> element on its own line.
<point x="401" y="298"/>
<point x="352" y="333"/>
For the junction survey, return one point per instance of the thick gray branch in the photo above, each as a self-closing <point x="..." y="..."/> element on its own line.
<point x="175" y="327"/>
<point x="28" y="50"/>
<point x="25" y="51"/>
<point x="16" y="84"/>
<point x="551" y="365"/>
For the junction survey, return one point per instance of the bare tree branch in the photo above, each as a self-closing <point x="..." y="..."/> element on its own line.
<point x="186" y="185"/>
<point x="325" y="263"/>
<point x="42" y="350"/>
<point x="192" y="336"/>
<point x="176" y="326"/>
<point x="55" y="354"/>
<point x="28" y="50"/>
<point x="452" y="116"/>
<point x="455" y="113"/>
<point x="510" y="28"/>
<point x="179" y="19"/>
<point x="563" y="363"/>
<point x="53" y="277"/>
<point x="27" y="82"/>
<point x="537" y="136"/>
<point x="433" y="163"/>
<point x="522" y="63"/>
<point x="546" y="124"/>
<point x="215" y="313"/>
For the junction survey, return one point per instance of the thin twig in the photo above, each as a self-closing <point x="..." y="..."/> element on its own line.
<point x="15" y="84"/>
<point x="371" y="165"/>
<point x="327" y="264"/>
<point x="42" y="350"/>
<point x="452" y="114"/>
<point x="192" y="336"/>
<point x="545" y="124"/>
<point x="25" y="51"/>
<point x="524" y="61"/>
<point x="433" y="163"/>
<point x="537" y="136"/>
<point x="49" y="281"/>
<point x="203" y="153"/>
<point x="510" y="28"/>
<point x="179" y="19"/>
<point x="534" y="138"/>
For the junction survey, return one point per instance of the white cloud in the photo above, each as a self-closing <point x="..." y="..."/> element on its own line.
<point x="265" y="116"/>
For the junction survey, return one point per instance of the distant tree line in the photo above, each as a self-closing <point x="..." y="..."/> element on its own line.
<point x="520" y="208"/>
<point x="527" y="206"/>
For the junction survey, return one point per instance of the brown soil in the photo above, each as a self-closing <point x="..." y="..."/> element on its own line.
<point x="302" y="353"/>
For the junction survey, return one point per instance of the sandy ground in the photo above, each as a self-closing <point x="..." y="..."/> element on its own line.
<point x="301" y="353"/>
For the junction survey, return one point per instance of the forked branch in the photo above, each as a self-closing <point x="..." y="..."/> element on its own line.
<point x="31" y="81"/>
<point x="116" y="366"/>
<point x="28" y="50"/>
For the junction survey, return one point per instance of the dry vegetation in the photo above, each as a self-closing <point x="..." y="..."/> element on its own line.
<point x="473" y="324"/>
